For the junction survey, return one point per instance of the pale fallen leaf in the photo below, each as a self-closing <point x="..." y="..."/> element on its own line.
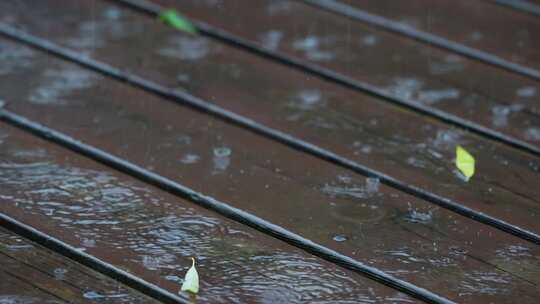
<point x="465" y="162"/>
<point x="191" y="280"/>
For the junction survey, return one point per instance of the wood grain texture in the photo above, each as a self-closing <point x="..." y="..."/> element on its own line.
<point x="400" y="143"/>
<point x="152" y="234"/>
<point x="30" y="273"/>
<point x="483" y="25"/>
<point x="370" y="222"/>
<point x="407" y="69"/>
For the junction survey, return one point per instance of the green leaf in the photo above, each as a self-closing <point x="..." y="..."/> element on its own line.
<point x="464" y="162"/>
<point x="191" y="280"/>
<point x="177" y="21"/>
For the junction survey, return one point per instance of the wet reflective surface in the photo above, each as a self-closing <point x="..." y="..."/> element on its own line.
<point x="399" y="143"/>
<point x="403" y="67"/>
<point x="152" y="234"/>
<point x="352" y="214"/>
<point x="31" y="274"/>
<point x="510" y="34"/>
<point x="149" y="233"/>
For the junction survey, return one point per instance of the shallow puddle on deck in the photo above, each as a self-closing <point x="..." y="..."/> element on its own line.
<point x="137" y="227"/>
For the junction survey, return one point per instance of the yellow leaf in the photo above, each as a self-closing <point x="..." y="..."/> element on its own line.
<point x="464" y="162"/>
<point x="191" y="280"/>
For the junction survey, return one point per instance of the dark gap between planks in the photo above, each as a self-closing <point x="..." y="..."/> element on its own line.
<point x="276" y="135"/>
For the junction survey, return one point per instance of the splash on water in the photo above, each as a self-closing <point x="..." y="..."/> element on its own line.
<point x="433" y="96"/>
<point x="93" y="295"/>
<point x="345" y="188"/>
<point x="186" y="48"/>
<point x="404" y="88"/>
<point x="339" y="238"/>
<point x="16" y="299"/>
<point x="526" y="92"/>
<point x="411" y="89"/>
<point x="14" y="57"/>
<point x="501" y="114"/>
<point x="108" y="25"/>
<point x="58" y="84"/>
<point x="418" y="163"/>
<point x="460" y="175"/>
<point x="60" y="273"/>
<point x="362" y="148"/>
<point x="271" y="39"/>
<point x="446" y="139"/>
<point x="403" y="255"/>
<point x="312" y="47"/>
<point x="341" y="191"/>
<point x="370" y="40"/>
<point x="88" y="243"/>
<point x="173" y="278"/>
<point x="307" y="99"/>
<point x="372" y="185"/>
<point x="489" y="283"/>
<point x="514" y="251"/>
<point x="190" y="158"/>
<point x="222" y="159"/>
<point x="415" y="216"/>
<point x="532" y="134"/>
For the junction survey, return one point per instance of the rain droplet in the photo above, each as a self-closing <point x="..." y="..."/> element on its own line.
<point x="222" y="152"/>
<point x="339" y="238"/>
<point x="92" y="295"/>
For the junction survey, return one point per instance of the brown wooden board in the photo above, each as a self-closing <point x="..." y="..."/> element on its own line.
<point x="152" y="234"/>
<point x="30" y="273"/>
<point x="400" y="143"/>
<point x="483" y="25"/>
<point x="14" y="290"/>
<point x="524" y="6"/>
<point x="410" y="70"/>
<point x="400" y="234"/>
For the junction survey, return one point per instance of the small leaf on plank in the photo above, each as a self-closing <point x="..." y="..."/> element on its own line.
<point x="177" y="21"/>
<point x="191" y="280"/>
<point x="465" y="162"/>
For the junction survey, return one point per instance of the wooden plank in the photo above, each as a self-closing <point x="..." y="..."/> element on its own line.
<point x="401" y="28"/>
<point x="152" y="234"/>
<point x="332" y="206"/>
<point x="410" y="70"/>
<point x="482" y="25"/>
<point x="527" y="6"/>
<point x="33" y="274"/>
<point x="399" y="143"/>
<point x="13" y="290"/>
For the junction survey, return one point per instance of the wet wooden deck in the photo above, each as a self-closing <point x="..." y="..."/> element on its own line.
<point x="301" y="151"/>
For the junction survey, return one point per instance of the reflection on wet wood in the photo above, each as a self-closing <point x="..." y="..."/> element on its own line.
<point x="483" y="25"/>
<point x="152" y="234"/>
<point x="356" y="216"/>
<point x="30" y="274"/>
<point x="407" y="69"/>
<point x="400" y="143"/>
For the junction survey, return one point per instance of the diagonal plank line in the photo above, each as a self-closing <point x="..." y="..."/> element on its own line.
<point x="349" y="82"/>
<point x="521" y="5"/>
<point x="198" y="104"/>
<point x="90" y="261"/>
<point x="431" y="39"/>
<point x="200" y="199"/>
